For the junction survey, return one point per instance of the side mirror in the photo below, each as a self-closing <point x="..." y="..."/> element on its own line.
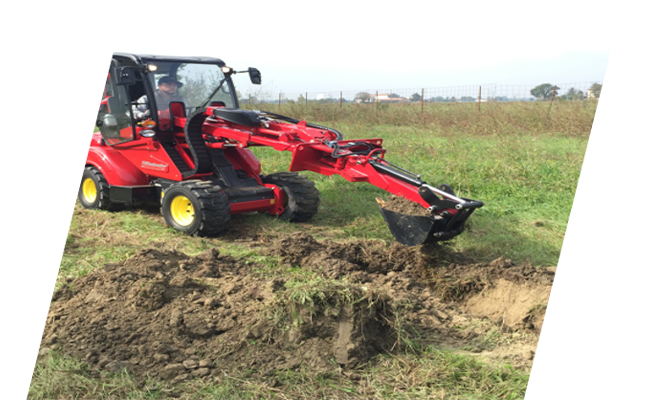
<point x="125" y="76"/>
<point x="256" y="76"/>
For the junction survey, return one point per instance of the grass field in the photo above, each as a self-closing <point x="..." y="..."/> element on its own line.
<point x="520" y="160"/>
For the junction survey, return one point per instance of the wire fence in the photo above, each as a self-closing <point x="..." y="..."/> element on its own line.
<point x="490" y="92"/>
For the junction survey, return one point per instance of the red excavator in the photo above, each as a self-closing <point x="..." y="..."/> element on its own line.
<point x="171" y="131"/>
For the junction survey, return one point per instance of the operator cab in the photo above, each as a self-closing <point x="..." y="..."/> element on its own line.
<point x="132" y="90"/>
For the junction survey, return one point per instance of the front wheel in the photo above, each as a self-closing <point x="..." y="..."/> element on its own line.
<point x="300" y="195"/>
<point x="94" y="190"/>
<point x="196" y="208"/>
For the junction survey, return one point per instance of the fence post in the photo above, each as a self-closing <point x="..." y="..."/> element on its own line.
<point x="552" y="96"/>
<point x="305" y="101"/>
<point x="280" y="100"/>
<point x="341" y="100"/>
<point x="422" y="102"/>
<point x="377" y="104"/>
<point x="479" y="99"/>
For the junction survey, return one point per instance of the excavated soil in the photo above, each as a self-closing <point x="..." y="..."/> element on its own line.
<point x="404" y="206"/>
<point x="176" y="317"/>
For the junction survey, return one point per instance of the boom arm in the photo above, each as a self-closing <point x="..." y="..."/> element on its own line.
<point x="313" y="150"/>
<point x="317" y="149"/>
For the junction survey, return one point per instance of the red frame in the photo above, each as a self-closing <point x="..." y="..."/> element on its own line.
<point x="139" y="161"/>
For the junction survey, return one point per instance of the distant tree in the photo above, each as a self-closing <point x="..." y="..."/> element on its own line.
<point x="467" y="99"/>
<point x="394" y="96"/>
<point x="573" y="94"/>
<point x="543" y="91"/>
<point x="362" y="96"/>
<point x="595" y="89"/>
<point x="415" y="97"/>
<point x="249" y="100"/>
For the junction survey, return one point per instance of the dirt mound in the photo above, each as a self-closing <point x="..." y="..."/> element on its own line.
<point x="490" y="289"/>
<point x="175" y="317"/>
<point x="515" y="295"/>
<point x="335" y="260"/>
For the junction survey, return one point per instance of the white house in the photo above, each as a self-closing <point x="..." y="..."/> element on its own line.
<point x="384" y="98"/>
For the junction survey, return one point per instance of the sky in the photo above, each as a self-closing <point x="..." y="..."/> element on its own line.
<point x="568" y="67"/>
<point x="347" y="46"/>
<point x="342" y="45"/>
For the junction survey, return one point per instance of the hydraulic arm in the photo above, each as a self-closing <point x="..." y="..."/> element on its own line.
<point x="322" y="150"/>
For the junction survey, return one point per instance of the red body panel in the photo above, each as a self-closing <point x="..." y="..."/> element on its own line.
<point x="117" y="169"/>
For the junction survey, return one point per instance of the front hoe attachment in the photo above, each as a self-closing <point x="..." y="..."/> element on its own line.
<point x="413" y="230"/>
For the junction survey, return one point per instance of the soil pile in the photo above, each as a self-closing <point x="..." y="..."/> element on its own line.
<point x="177" y="317"/>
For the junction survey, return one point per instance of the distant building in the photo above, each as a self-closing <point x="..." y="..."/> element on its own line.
<point x="386" y="98"/>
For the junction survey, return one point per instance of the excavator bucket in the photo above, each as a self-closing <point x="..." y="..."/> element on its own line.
<point x="409" y="230"/>
<point x="413" y="230"/>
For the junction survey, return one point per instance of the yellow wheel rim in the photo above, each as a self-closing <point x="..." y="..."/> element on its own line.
<point x="89" y="190"/>
<point x="182" y="210"/>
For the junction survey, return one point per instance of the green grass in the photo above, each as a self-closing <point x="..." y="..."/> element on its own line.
<point x="526" y="182"/>
<point x="522" y="160"/>
<point x="433" y="374"/>
<point x="563" y="117"/>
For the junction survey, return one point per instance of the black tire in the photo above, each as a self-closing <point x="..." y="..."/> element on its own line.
<point x="301" y="196"/>
<point x="196" y="208"/>
<point x="94" y="190"/>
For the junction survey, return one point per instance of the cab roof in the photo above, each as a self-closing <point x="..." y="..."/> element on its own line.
<point x="144" y="58"/>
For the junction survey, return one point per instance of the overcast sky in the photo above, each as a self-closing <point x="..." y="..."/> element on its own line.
<point x="410" y="72"/>
<point x="406" y="68"/>
<point x="407" y="45"/>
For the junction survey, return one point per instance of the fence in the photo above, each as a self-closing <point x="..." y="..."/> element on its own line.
<point x="470" y="93"/>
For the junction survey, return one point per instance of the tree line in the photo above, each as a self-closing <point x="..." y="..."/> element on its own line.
<point x="545" y="91"/>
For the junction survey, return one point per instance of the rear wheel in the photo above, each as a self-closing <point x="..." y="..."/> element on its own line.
<point x="94" y="190"/>
<point x="196" y="208"/>
<point x="301" y="196"/>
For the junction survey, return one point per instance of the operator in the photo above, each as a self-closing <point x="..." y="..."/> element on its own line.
<point x="167" y="92"/>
